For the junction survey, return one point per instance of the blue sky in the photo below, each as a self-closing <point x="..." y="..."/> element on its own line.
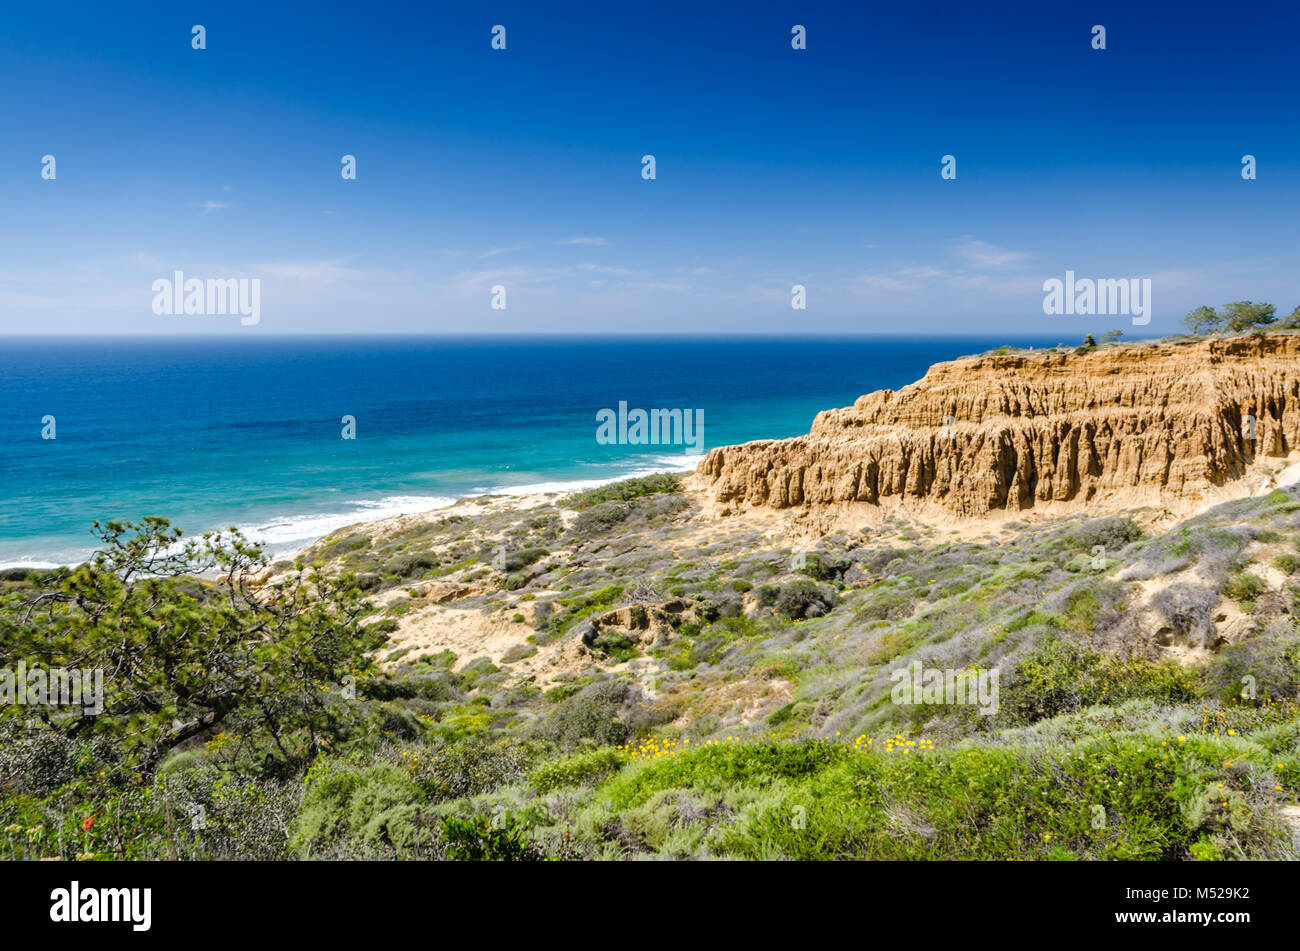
<point x="522" y="168"/>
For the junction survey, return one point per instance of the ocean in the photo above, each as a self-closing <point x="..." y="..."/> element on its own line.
<point x="247" y="431"/>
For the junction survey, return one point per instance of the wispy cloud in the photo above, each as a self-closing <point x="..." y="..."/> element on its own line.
<point x="983" y="254"/>
<point x="316" y="272"/>
<point x="660" y="286"/>
<point x="210" y="205"/>
<point x="493" y="252"/>
<point x="599" y="242"/>
<point x="901" y="279"/>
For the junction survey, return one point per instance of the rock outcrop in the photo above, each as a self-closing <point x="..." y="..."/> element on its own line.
<point x="1165" y="424"/>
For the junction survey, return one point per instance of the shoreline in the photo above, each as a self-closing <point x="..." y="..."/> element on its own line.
<point x="291" y="547"/>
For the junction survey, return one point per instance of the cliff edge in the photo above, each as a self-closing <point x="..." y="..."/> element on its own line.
<point x="1174" y="424"/>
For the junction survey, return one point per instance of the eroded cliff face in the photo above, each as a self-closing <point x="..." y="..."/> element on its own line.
<point x="1163" y="424"/>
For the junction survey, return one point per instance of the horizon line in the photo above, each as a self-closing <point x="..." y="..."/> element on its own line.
<point x="553" y="335"/>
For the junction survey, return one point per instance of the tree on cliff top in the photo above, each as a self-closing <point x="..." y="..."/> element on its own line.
<point x="1238" y="317"/>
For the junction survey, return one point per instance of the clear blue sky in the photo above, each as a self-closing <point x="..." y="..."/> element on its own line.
<point x="522" y="167"/>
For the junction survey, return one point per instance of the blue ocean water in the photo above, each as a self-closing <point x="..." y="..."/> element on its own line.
<point x="215" y="432"/>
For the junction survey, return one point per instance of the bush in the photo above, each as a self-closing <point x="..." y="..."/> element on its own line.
<point x="823" y="568"/>
<point x="1286" y="563"/>
<point x="1244" y="586"/>
<point x="601" y="518"/>
<point x="804" y="598"/>
<point x="1272" y="662"/>
<point x="518" y="652"/>
<point x="614" y="645"/>
<point x="1059" y="676"/>
<point x="412" y="566"/>
<point x="344" y="801"/>
<point x="516" y="560"/>
<point x="578" y="769"/>
<point x="466" y="768"/>
<point x="598" y="713"/>
<point x="626" y="490"/>
<point x="341" y="546"/>
<point x="502" y="838"/>
<point x="1112" y="533"/>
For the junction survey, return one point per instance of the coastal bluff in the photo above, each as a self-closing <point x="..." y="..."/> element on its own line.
<point x="1173" y="424"/>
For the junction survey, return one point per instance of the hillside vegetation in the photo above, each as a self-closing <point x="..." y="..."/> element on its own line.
<point x="613" y="675"/>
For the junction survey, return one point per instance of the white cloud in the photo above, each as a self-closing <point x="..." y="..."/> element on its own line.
<point x="982" y="254"/>
<point x="902" y="279"/>
<point x="600" y="242"/>
<point x="658" y="286"/>
<point x="493" y="252"/>
<point x="315" y="272"/>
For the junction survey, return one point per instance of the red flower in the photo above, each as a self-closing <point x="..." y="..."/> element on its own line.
<point x="88" y="822"/>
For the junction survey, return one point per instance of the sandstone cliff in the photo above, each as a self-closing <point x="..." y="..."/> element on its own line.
<point x="1162" y="424"/>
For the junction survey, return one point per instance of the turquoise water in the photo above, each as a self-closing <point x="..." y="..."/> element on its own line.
<point x="247" y="432"/>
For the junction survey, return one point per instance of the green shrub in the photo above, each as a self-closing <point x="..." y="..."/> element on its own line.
<point x="1244" y="586"/>
<point x="1287" y="563"/>
<point x="562" y="692"/>
<point x="615" y="646"/>
<point x="467" y="767"/>
<point x="410" y="566"/>
<point x="579" y="769"/>
<point x="601" y="518"/>
<point x="626" y="490"/>
<point x="1112" y="533"/>
<point x="1272" y="663"/>
<point x="1059" y="676"/>
<point x="804" y="598"/>
<point x="371" y="804"/>
<point x="516" y="560"/>
<point x="598" y="714"/>
<point x="822" y="568"/>
<point x="502" y="838"/>
<point x="518" y="652"/>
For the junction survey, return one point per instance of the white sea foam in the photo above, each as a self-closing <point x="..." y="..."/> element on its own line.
<point x="306" y="528"/>
<point x="284" y="536"/>
<point x="677" y="463"/>
<point x="34" y="563"/>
